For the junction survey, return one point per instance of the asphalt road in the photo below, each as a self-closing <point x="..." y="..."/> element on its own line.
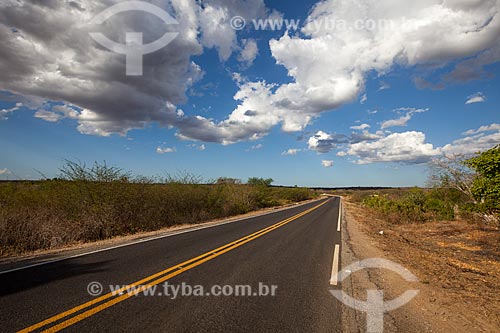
<point x="291" y="251"/>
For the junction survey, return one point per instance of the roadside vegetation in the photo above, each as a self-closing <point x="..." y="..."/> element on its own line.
<point x="97" y="202"/>
<point x="447" y="235"/>
<point x="461" y="189"/>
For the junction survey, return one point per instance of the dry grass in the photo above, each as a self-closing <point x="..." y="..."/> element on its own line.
<point x="54" y="213"/>
<point x="459" y="258"/>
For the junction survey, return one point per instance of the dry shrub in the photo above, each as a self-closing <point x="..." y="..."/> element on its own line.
<point x="53" y="213"/>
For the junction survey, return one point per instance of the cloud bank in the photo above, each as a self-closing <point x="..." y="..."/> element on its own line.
<point x="411" y="147"/>
<point x="58" y="62"/>
<point x="325" y="77"/>
<point x="48" y="58"/>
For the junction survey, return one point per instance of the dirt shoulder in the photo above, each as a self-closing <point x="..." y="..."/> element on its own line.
<point x="457" y="264"/>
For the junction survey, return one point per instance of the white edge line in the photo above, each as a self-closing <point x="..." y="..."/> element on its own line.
<point x="174" y="233"/>
<point x="335" y="266"/>
<point x="340" y="215"/>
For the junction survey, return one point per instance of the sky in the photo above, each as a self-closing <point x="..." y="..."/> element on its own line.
<point x="329" y="93"/>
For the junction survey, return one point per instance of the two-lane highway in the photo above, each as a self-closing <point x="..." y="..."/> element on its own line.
<point x="285" y="258"/>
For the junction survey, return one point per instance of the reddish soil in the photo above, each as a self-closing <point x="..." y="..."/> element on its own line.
<point x="457" y="263"/>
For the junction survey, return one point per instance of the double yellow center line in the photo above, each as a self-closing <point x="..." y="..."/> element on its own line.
<point x="150" y="281"/>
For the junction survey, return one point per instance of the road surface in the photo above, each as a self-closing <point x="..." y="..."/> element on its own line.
<point x="290" y="253"/>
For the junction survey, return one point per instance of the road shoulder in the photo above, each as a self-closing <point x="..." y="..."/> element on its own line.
<point x="433" y="310"/>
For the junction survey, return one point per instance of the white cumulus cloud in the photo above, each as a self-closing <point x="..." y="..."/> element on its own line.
<point x="324" y="75"/>
<point x="5" y="171"/>
<point x="323" y="142"/>
<point x="475" y="140"/>
<point x="214" y="21"/>
<point x="476" y="98"/>
<point x="48" y="116"/>
<point x="363" y="99"/>
<point x="291" y="152"/>
<point x="4" y="113"/>
<point x="47" y="54"/>
<point x="165" y="150"/>
<point x="407" y="147"/>
<point x="327" y="164"/>
<point x="360" y="127"/>
<point x="249" y="52"/>
<point x="384" y="86"/>
<point x="403" y="120"/>
<point x="411" y="147"/>
<point x="486" y="128"/>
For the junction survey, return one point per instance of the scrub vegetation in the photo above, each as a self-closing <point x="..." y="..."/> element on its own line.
<point x="97" y="202"/>
<point x="462" y="188"/>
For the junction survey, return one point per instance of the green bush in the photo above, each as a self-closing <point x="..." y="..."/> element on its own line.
<point x="486" y="184"/>
<point x="415" y="205"/>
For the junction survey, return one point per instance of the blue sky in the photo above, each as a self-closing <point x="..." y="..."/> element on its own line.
<point x="415" y="107"/>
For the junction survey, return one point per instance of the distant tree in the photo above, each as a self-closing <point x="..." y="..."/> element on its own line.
<point x="182" y="177"/>
<point x="452" y="172"/>
<point x="226" y="180"/>
<point x="260" y="181"/>
<point x="486" y="184"/>
<point x="97" y="172"/>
